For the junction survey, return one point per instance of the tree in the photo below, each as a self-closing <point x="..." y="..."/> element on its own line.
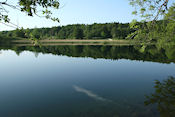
<point x="105" y="33"/>
<point x="78" y="33"/>
<point x="170" y="17"/>
<point x="114" y="32"/>
<point x="171" y="13"/>
<point x="35" y="34"/>
<point x="30" y="7"/>
<point x="164" y="97"/>
<point x="150" y="9"/>
<point x="158" y="20"/>
<point x="19" y="33"/>
<point x="27" y="33"/>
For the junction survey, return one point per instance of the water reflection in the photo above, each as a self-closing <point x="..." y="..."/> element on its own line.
<point x="90" y="94"/>
<point x="63" y="86"/>
<point x="163" y="97"/>
<point x="154" y="53"/>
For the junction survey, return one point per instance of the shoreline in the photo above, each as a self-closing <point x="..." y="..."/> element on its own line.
<point x="75" y="42"/>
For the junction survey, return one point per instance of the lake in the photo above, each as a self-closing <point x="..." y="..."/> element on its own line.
<point x="84" y="81"/>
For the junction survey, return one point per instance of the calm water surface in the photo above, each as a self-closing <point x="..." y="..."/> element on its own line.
<point x="35" y="84"/>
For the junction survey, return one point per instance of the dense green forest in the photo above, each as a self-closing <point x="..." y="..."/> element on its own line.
<point x="76" y="31"/>
<point x="165" y="54"/>
<point x="162" y="31"/>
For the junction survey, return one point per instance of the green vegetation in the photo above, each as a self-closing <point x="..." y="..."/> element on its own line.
<point x="149" y="30"/>
<point x="165" y="54"/>
<point x="150" y="10"/>
<point x="30" y="7"/>
<point x="7" y="40"/>
<point x="164" y="97"/>
<point x="162" y="31"/>
<point x="77" y="31"/>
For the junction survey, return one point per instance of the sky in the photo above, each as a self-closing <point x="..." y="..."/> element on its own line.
<point x="76" y="11"/>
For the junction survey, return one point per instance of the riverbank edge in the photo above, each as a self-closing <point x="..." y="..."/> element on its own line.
<point x="76" y="42"/>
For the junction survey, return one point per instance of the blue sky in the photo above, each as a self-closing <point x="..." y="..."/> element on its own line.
<point x="77" y="11"/>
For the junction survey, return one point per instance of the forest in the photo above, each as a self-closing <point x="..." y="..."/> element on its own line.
<point x="76" y="31"/>
<point x="160" y="31"/>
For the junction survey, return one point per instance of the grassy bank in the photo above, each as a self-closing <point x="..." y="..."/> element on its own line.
<point x="76" y="42"/>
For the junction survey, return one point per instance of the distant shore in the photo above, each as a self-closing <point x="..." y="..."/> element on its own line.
<point x="75" y="42"/>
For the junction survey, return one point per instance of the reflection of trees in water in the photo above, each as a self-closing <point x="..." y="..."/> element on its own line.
<point x="36" y="54"/>
<point x="149" y="53"/>
<point x="164" y="97"/>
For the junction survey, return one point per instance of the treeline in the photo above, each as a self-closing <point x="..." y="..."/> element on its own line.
<point x="162" y="32"/>
<point x="76" y="31"/>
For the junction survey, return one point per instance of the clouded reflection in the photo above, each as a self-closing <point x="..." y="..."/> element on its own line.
<point x="90" y="94"/>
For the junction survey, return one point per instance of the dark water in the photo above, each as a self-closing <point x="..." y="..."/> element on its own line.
<point x="82" y="81"/>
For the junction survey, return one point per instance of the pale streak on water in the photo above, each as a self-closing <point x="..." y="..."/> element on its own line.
<point x="90" y="94"/>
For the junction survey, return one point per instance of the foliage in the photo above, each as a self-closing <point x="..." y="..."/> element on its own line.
<point x="77" y="31"/>
<point x="30" y="7"/>
<point x="165" y="54"/>
<point x="164" y="97"/>
<point x="171" y="13"/>
<point x="153" y="29"/>
<point x="150" y="9"/>
<point x="160" y="31"/>
<point x="18" y="33"/>
<point x="34" y="34"/>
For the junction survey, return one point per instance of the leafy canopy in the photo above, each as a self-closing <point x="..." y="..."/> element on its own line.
<point x="41" y="8"/>
<point x="150" y="9"/>
<point x="171" y="13"/>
